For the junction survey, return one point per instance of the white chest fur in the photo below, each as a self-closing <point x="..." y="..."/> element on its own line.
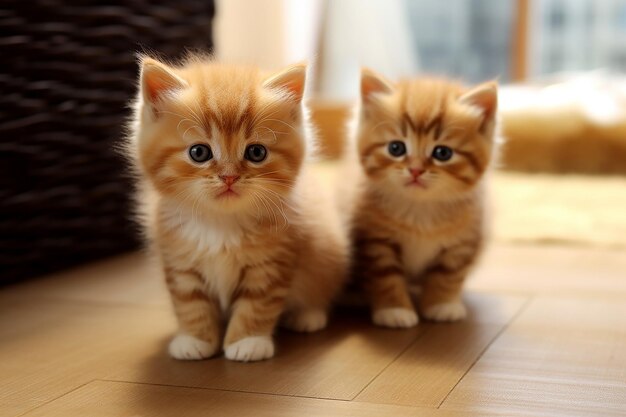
<point x="418" y="253"/>
<point x="221" y="272"/>
<point x="213" y="249"/>
<point x="212" y="237"/>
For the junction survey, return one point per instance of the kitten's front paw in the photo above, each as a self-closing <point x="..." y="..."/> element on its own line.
<point x="451" y="311"/>
<point x="306" y="321"/>
<point x="187" y="347"/>
<point x="253" y="348"/>
<point x="396" y="317"/>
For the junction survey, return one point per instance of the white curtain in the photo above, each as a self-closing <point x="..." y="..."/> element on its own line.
<point x="356" y="33"/>
<point x="336" y="36"/>
<point x="268" y="33"/>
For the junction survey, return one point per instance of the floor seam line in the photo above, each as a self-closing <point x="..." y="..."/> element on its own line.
<point x="482" y="352"/>
<point x="418" y="337"/>
<point x="221" y="390"/>
<point x="56" y="398"/>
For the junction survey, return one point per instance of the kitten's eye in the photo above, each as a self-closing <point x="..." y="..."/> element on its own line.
<point x="397" y="148"/>
<point x="255" y="153"/>
<point x="442" y="153"/>
<point x="200" y="153"/>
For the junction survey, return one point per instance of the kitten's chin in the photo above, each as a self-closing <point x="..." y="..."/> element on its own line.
<point x="417" y="191"/>
<point x="230" y="202"/>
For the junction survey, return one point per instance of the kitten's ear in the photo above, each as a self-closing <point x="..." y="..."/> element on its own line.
<point x="157" y="80"/>
<point x="290" y="80"/>
<point x="373" y="84"/>
<point x="483" y="97"/>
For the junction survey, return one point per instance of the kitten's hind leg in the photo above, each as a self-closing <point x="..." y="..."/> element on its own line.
<point x="306" y="320"/>
<point x="317" y="282"/>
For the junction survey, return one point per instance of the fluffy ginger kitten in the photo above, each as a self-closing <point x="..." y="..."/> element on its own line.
<point x="423" y="146"/>
<point x="243" y="235"/>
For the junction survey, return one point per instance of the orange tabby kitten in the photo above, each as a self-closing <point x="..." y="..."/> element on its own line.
<point x="423" y="146"/>
<point x="243" y="234"/>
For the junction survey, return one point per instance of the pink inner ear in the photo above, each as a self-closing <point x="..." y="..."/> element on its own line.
<point x="372" y="84"/>
<point x="157" y="80"/>
<point x="295" y="87"/>
<point x="485" y="97"/>
<point x="291" y="80"/>
<point x="155" y="86"/>
<point x="488" y="102"/>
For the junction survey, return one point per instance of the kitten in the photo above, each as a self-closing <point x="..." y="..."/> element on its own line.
<point x="423" y="146"/>
<point x="243" y="233"/>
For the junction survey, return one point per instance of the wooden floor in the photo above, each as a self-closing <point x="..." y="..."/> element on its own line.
<point x="546" y="336"/>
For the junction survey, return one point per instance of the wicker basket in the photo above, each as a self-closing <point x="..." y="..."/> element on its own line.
<point x="68" y="71"/>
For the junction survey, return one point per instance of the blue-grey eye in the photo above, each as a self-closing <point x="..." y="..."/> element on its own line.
<point x="255" y="153"/>
<point x="396" y="148"/>
<point x="442" y="153"/>
<point x="200" y="153"/>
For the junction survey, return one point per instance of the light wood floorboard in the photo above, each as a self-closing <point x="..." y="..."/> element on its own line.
<point x="546" y="336"/>
<point x="426" y="372"/>
<point x="568" y="354"/>
<point x="113" y="399"/>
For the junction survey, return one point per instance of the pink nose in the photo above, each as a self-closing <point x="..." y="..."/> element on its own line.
<point x="416" y="172"/>
<point x="229" y="179"/>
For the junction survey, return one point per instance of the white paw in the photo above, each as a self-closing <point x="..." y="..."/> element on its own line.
<point x="306" y="320"/>
<point x="253" y="348"/>
<point x="451" y="311"/>
<point x="187" y="347"/>
<point x="397" y="317"/>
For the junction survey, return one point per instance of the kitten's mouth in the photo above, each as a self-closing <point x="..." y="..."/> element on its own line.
<point x="415" y="182"/>
<point x="228" y="193"/>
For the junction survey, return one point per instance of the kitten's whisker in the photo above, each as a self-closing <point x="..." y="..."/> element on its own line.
<point x="261" y="114"/>
<point x="269" y="211"/>
<point x="386" y="122"/>
<point x="256" y="204"/>
<point x="184" y="119"/>
<point x="272" y="131"/>
<point x="284" y="180"/>
<point x="195" y="115"/>
<point x="262" y="177"/>
<point x="287" y="186"/>
<point x="280" y="210"/>
<point x="282" y="201"/>
<point x="179" y="206"/>
<point x="268" y="173"/>
<point x="189" y="128"/>
<point x="283" y="122"/>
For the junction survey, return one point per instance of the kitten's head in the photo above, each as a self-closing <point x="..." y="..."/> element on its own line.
<point x="210" y="136"/>
<point x="425" y="138"/>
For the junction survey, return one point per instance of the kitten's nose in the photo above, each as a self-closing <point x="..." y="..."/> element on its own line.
<point x="416" y="172"/>
<point x="229" y="179"/>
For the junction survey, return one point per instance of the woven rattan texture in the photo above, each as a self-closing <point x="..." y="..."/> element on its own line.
<point x="67" y="73"/>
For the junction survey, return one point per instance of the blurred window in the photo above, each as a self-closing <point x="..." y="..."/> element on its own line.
<point x="577" y="35"/>
<point x="469" y="39"/>
<point x="473" y="39"/>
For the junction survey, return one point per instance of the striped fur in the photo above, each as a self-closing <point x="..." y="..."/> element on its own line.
<point x="420" y="234"/>
<point x="234" y="264"/>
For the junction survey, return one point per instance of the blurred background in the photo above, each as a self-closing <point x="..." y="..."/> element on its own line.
<point x="69" y="70"/>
